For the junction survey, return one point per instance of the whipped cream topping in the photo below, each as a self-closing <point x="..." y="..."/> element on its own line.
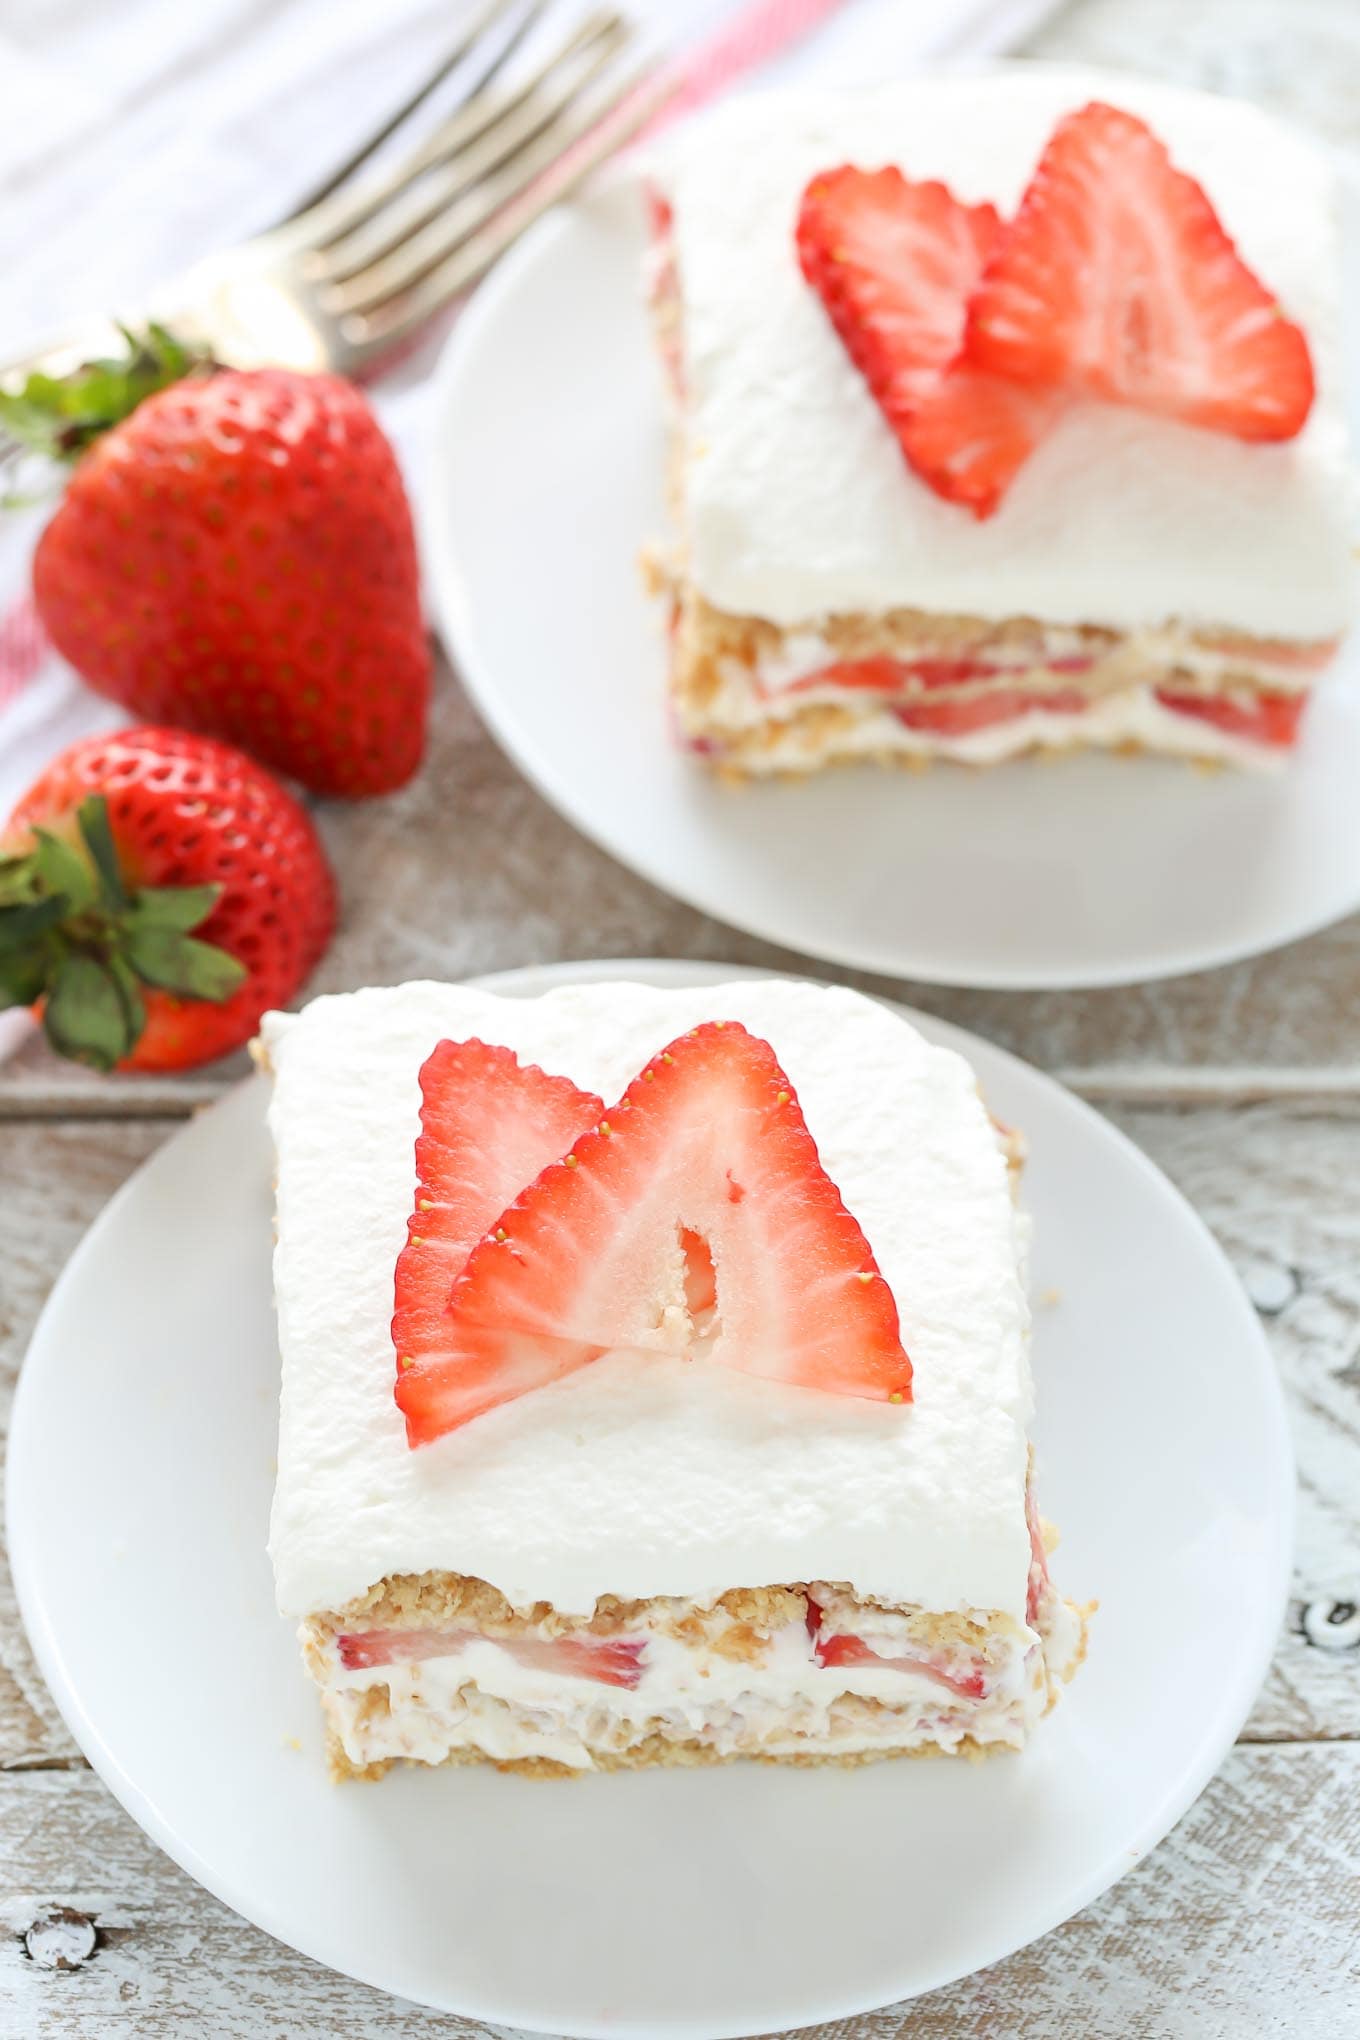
<point x="797" y="501"/>
<point x="650" y="1476"/>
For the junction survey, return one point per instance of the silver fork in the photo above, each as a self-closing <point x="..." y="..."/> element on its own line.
<point x="347" y="280"/>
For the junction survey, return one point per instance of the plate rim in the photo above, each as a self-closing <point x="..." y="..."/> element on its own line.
<point x="1180" y="1793"/>
<point x="444" y="577"/>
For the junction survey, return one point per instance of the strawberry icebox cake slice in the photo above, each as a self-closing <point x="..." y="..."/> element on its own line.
<point x="1006" y="414"/>
<point x="655" y="1382"/>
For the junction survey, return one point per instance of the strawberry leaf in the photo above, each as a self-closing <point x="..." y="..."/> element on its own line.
<point x="85" y="1017"/>
<point x="22" y="926"/>
<point x="18" y="880"/>
<point x="176" y="963"/>
<point x="134" y="1006"/>
<point x="61" y="415"/>
<point x="23" y="976"/>
<point x="93" y="818"/>
<point x="178" y="908"/>
<point x="78" y="939"/>
<point x="63" y="873"/>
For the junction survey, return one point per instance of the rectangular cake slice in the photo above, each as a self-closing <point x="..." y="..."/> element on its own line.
<point x="787" y="1515"/>
<point x="1140" y="581"/>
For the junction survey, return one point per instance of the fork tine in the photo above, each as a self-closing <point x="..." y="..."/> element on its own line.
<point x="627" y="110"/>
<point x="393" y="248"/>
<point x="341" y="216"/>
<point x="347" y="209"/>
<point x="484" y="22"/>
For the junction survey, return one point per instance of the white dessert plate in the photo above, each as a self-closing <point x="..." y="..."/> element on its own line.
<point x="677" y="1903"/>
<point x="545" y="478"/>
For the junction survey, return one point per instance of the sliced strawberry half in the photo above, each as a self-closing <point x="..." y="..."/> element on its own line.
<point x="488" y="1124"/>
<point x="854" y="1652"/>
<point x="1117" y="278"/>
<point x="895" y="263"/>
<point x="708" y="1141"/>
<point x="610" y="1660"/>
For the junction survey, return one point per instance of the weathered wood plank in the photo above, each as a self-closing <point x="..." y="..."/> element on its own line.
<point x="1241" y="1925"/>
<point x="469" y="870"/>
<point x="1280" y="1185"/>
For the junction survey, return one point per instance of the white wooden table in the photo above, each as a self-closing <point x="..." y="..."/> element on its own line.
<point x="1243" y="1084"/>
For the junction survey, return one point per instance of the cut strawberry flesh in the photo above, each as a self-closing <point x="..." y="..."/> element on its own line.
<point x="904" y="676"/>
<point x="853" y="1653"/>
<point x="895" y="263"/>
<point x="480" y="1368"/>
<point x="959" y="718"/>
<point x="709" y="1140"/>
<point x="1117" y="279"/>
<point x="1270" y="719"/>
<point x="488" y="1124"/>
<point x="610" y="1661"/>
<point x="1305" y="656"/>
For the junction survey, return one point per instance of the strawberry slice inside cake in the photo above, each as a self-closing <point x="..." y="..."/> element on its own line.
<point x="1012" y="391"/>
<point x="656" y="1480"/>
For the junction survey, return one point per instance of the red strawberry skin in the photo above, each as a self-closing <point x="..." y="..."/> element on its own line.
<point x="1117" y="279"/>
<point x="894" y="263"/>
<point x="187" y="811"/>
<point x="237" y="558"/>
<point x="488" y="1125"/>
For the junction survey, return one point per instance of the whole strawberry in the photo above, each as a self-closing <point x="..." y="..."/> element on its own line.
<point x="236" y="556"/>
<point x="158" y="892"/>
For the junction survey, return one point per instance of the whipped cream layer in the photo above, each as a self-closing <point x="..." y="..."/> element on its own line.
<point x="797" y="502"/>
<point x="641" y="1477"/>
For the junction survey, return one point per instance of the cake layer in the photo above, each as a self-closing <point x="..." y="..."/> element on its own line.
<point x="794" y="496"/>
<point x="741" y="666"/>
<point x="647" y="1476"/>
<point x="433" y="1669"/>
<point x="913" y="685"/>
